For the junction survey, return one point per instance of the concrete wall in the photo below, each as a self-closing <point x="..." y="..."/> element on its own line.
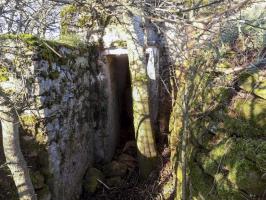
<point x="62" y="102"/>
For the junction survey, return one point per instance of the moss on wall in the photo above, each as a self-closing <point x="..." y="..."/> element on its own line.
<point x="3" y="73"/>
<point x="226" y="152"/>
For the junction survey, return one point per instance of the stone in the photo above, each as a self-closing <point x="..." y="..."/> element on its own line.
<point x="251" y="109"/>
<point x="254" y="83"/>
<point x="115" y="169"/>
<point x="244" y="161"/>
<point x="114" y="181"/>
<point x="130" y="161"/>
<point x="209" y="165"/>
<point x="202" y="184"/>
<point x="37" y="180"/>
<point x="44" y="194"/>
<point x="91" y="181"/>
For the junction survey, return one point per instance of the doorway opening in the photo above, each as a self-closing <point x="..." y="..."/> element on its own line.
<point x="121" y="86"/>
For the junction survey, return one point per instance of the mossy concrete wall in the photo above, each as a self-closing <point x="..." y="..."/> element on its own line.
<point x="61" y="97"/>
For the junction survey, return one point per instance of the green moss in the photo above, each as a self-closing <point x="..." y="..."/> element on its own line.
<point x="91" y="182"/>
<point x="29" y="120"/>
<point x="83" y="20"/>
<point x="41" y="137"/>
<point x="54" y="75"/>
<point x="230" y="125"/>
<point x="209" y="165"/>
<point x="226" y="190"/>
<point x="29" y="39"/>
<point x="119" y="43"/>
<point x="253" y="110"/>
<point x="254" y="83"/>
<point x="69" y="9"/>
<point x="66" y="17"/>
<point x="72" y="40"/>
<point x="246" y="176"/>
<point x="201" y="184"/>
<point x="235" y="155"/>
<point x="3" y="73"/>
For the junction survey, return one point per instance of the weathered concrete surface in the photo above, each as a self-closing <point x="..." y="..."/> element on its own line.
<point x="62" y="103"/>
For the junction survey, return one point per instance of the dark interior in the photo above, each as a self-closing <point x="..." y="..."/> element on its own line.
<point x="122" y="83"/>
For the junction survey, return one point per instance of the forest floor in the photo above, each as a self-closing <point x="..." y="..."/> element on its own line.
<point x="158" y="186"/>
<point x="127" y="186"/>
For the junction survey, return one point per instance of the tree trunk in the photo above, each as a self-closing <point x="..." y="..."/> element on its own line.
<point x="15" y="159"/>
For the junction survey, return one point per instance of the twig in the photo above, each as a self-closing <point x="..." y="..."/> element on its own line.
<point x="52" y="49"/>
<point x="107" y="187"/>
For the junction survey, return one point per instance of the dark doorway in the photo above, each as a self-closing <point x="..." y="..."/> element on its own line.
<point x="121" y="80"/>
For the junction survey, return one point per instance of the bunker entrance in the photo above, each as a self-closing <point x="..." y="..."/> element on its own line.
<point x="121" y="85"/>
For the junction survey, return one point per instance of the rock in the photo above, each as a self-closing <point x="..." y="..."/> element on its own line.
<point x="115" y="169"/>
<point x="251" y="109"/>
<point x="37" y="180"/>
<point x="245" y="176"/>
<point x="202" y="184"/>
<point x="129" y="146"/>
<point x="254" y="83"/>
<point x="263" y="177"/>
<point x="130" y="161"/>
<point x="225" y="189"/>
<point x="114" y="181"/>
<point x="44" y="194"/>
<point x="244" y="160"/>
<point x="91" y="182"/>
<point x="209" y="165"/>
<point x="27" y="138"/>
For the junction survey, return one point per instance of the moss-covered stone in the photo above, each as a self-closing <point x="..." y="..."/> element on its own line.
<point x="119" y="43"/>
<point x="229" y="125"/>
<point x="44" y="193"/>
<point x="252" y="110"/>
<point x="201" y="184"/>
<point x="29" y="120"/>
<point x="254" y="83"/>
<point x="209" y="165"/>
<point x="91" y="181"/>
<point x="3" y="73"/>
<point x="54" y="75"/>
<point x="225" y="189"/>
<point x="37" y="180"/>
<point x="29" y="39"/>
<point x="234" y="157"/>
<point x="115" y="169"/>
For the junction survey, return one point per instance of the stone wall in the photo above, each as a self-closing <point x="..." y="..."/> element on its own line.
<point x="227" y="121"/>
<point x="61" y="97"/>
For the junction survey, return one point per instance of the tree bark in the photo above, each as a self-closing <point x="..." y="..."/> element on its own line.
<point x="15" y="159"/>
